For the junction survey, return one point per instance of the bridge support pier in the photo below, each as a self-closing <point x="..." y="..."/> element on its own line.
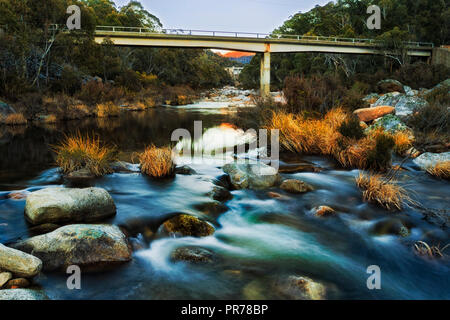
<point x="265" y="75"/>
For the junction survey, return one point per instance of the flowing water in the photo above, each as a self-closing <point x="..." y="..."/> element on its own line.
<point x="258" y="239"/>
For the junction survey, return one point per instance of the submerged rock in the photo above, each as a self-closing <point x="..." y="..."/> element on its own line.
<point x="300" y="288"/>
<point x="390" y="226"/>
<point x="186" y="225"/>
<point x="185" y="170"/>
<point x="90" y="246"/>
<point x="213" y="208"/>
<point x="6" y="109"/>
<point x="193" y="255"/>
<point x="323" y="211"/>
<point x="295" y="186"/>
<point x="22" y="294"/>
<point x="220" y="194"/>
<point x="19" y="195"/>
<point x="60" y="205"/>
<point x="19" y="263"/>
<point x="369" y="114"/>
<point x="121" y="166"/>
<point x="244" y="174"/>
<point x="428" y="159"/>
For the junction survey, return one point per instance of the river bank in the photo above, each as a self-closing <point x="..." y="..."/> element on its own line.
<point x="268" y="242"/>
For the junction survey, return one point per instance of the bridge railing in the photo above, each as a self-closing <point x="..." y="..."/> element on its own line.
<point x="235" y="34"/>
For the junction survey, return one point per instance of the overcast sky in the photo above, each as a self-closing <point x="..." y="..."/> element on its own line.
<point x="226" y="15"/>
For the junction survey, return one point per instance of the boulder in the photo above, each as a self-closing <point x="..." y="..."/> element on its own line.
<point x="407" y="104"/>
<point x="185" y="170"/>
<point x="369" y="114"/>
<point x="300" y="288"/>
<point x="89" y="246"/>
<point x="390" y="226"/>
<point x="323" y="211"/>
<point x="61" y="205"/>
<point x="295" y="186"/>
<point x="252" y="175"/>
<point x="186" y="225"/>
<point x="4" y="278"/>
<point x="17" y="283"/>
<point x="388" y="99"/>
<point x="19" y="263"/>
<point x="428" y="159"/>
<point x="390" y="85"/>
<point x="371" y="98"/>
<point x="80" y="174"/>
<point x="193" y="255"/>
<point x="220" y="193"/>
<point x="390" y="123"/>
<point x="22" y="294"/>
<point x="444" y="85"/>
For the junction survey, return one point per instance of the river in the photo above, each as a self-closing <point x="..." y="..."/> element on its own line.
<point x="257" y="238"/>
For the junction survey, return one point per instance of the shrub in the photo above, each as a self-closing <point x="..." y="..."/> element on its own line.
<point x="376" y="190"/>
<point x="440" y="170"/>
<point x="379" y="157"/>
<point x="157" y="162"/>
<point x="78" y="152"/>
<point x="433" y="117"/>
<point x="109" y="109"/>
<point x="422" y="75"/>
<point x="351" y="128"/>
<point x="15" y="119"/>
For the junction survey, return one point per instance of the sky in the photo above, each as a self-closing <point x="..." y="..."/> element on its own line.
<point x="225" y="15"/>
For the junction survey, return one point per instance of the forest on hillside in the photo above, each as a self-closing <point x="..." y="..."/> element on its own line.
<point x="401" y="20"/>
<point x="35" y="59"/>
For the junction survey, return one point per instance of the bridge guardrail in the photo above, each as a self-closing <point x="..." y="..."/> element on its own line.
<point x="236" y="34"/>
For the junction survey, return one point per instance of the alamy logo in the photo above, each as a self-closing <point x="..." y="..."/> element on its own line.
<point x="73" y="281"/>
<point x="374" y="280"/>
<point x="374" y="21"/>
<point x="74" y="21"/>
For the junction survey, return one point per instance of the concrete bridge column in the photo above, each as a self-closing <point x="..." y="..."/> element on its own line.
<point x="265" y="75"/>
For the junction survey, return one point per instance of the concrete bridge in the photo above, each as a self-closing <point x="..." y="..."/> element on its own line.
<point x="250" y="42"/>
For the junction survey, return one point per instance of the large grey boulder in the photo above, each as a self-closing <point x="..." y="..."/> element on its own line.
<point x="61" y="205"/>
<point x="428" y="159"/>
<point x="253" y="175"/>
<point x="19" y="263"/>
<point x="22" y="294"/>
<point x="89" y="246"/>
<point x="404" y="104"/>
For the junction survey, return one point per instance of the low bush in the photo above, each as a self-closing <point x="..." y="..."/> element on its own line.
<point x="379" y="191"/>
<point x="78" y="152"/>
<point x="157" y="162"/>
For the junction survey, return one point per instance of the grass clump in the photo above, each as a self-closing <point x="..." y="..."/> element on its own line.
<point x="79" y="152"/>
<point x="440" y="169"/>
<point x="15" y="119"/>
<point x="379" y="191"/>
<point x="106" y="110"/>
<point x="157" y="162"/>
<point x="337" y="134"/>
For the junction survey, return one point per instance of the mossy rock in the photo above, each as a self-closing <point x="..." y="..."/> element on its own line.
<point x="187" y="225"/>
<point x="193" y="255"/>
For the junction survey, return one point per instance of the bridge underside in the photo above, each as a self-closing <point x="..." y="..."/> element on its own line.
<point x="262" y="45"/>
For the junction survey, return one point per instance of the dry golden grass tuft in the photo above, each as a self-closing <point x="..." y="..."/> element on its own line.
<point x="157" y="162"/>
<point x="440" y="169"/>
<point x="322" y="136"/>
<point x="379" y="191"/>
<point x="403" y="141"/>
<point x="15" y="119"/>
<point x="78" y="152"/>
<point x="424" y="249"/>
<point x="109" y="109"/>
